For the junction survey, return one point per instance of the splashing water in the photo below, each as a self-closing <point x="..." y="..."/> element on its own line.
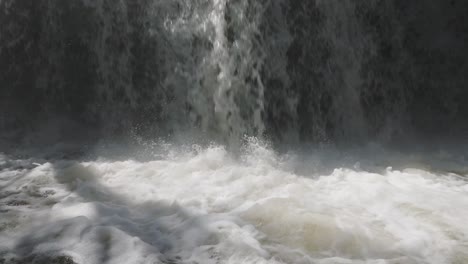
<point x="205" y="206"/>
<point x="87" y="86"/>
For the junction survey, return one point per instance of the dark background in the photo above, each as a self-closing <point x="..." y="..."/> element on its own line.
<point x="380" y="70"/>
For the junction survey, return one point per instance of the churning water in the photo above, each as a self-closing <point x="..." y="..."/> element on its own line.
<point x="321" y="118"/>
<point x="203" y="205"/>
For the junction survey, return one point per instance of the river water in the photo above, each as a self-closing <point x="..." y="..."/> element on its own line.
<point x="196" y="204"/>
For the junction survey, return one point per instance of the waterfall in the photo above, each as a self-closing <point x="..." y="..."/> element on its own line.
<point x="320" y="71"/>
<point x="233" y="131"/>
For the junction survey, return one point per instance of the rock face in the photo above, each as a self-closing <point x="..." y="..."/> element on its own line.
<point x="294" y="71"/>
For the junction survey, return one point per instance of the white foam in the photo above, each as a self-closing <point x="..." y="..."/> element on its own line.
<point x="208" y="207"/>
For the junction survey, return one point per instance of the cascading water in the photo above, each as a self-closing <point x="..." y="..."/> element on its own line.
<point x="233" y="131"/>
<point x="202" y="69"/>
<point x="316" y="71"/>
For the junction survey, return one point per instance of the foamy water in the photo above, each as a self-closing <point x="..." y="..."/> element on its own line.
<point x="206" y="206"/>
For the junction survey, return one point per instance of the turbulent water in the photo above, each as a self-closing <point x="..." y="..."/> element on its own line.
<point x="203" y="205"/>
<point x="233" y="131"/>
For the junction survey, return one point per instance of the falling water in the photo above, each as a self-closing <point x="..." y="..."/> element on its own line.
<point x="233" y="131"/>
<point x="318" y="71"/>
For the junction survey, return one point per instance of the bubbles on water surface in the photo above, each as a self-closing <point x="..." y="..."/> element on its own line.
<point x="209" y="206"/>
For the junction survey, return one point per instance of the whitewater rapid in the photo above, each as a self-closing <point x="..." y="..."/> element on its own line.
<point x="204" y="205"/>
